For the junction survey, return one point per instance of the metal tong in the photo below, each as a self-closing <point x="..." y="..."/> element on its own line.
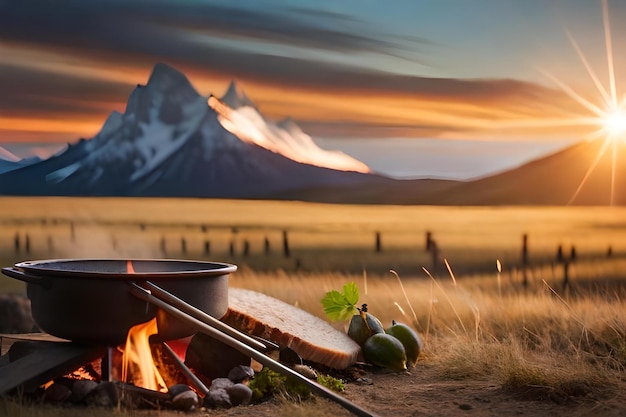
<point x="210" y="326"/>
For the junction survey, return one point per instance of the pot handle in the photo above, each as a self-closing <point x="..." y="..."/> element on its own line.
<point x="23" y="276"/>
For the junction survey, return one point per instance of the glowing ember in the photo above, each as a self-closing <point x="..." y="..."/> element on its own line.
<point x="138" y="365"/>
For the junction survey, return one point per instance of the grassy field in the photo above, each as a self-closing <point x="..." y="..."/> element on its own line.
<point x="320" y="237"/>
<point x="541" y="339"/>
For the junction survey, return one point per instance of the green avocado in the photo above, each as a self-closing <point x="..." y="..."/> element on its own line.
<point x="410" y="340"/>
<point x="386" y="351"/>
<point x="363" y="325"/>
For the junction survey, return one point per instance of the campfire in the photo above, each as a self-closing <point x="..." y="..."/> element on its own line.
<point x="138" y="365"/>
<point x="156" y="333"/>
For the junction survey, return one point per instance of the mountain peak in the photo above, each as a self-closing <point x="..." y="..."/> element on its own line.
<point x="165" y="77"/>
<point x="289" y="124"/>
<point x="235" y="97"/>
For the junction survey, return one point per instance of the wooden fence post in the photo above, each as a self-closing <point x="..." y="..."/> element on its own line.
<point x="286" y="250"/>
<point x="565" y="275"/>
<point x="525" y="260"/>
<point x="266" y="245"/>
<point x="559" y="254"/>
<point x="163" y="245"/>
<point x="429" y="240"/>
<point x="434" y="250"/>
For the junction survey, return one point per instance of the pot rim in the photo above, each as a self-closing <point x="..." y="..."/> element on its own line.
<point x="45" y="268"/>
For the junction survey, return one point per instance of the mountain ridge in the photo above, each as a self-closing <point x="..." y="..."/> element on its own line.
<point x="173" y="142"/>
<point x="170" y="142"/>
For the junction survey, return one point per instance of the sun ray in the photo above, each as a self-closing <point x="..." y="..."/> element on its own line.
<point x="573" y="94"/>
<point x="611" y="120"/>
<point x="609" y="50"/>
<point x="590" y="70"/>
<point x="613" y="169"/>
<point x="595" y="162"/>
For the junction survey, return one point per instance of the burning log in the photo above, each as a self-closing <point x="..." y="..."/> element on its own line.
<point x="82" y="388"/>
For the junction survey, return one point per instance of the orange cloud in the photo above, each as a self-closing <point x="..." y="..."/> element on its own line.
<point x="73" y="95"/>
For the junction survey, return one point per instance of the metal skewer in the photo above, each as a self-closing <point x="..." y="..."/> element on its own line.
<point x="235" y="343"/>
<point x="196" y="313"/>
<point x="199" y="385"/>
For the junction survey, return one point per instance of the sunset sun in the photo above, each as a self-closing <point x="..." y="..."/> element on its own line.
<point x="609" y="115"/>
<point x="614" y="124"/>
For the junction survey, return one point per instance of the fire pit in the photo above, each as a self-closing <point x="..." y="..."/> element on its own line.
<point x="88" y="300"/>
<point x="96" y="303"/>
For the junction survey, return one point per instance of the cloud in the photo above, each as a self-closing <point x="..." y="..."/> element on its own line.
<point x="43" y="92"/>
<point x="125" y="36"/>
<point x="142" y="32"/>
<point x="130" y="26"/>
<point x="363" y="129"/>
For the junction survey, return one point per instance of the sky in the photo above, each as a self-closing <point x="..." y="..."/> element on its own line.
<point x="413" y="88"/>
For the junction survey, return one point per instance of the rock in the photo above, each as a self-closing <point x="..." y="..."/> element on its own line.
<point x="105" y="394"/>
<point x="306" y="370"/>
<point x="174" y="390"/>
<point x="241" y="373"/>
<point x="222" y="383"/>
<point x="15" y="314"/>
<point x="218" y="397"/>
<point x="218" y="394"/>
<point x="240" y="394"/>
<point x="185" y="401"/>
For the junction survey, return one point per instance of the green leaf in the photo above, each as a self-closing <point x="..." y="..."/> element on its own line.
<point x="341" y="306"/>
<point x="351" y="293"/>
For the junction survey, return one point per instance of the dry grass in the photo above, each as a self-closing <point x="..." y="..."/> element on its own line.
<point x="540" y="340"/>
<point x="536" y="343"/>
<point x="526" y="340"/>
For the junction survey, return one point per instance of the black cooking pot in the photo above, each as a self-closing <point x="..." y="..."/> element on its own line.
<point x="88" y="300"/>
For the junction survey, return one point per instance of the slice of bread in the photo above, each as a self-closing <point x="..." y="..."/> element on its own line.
<point x="312" y="338"/>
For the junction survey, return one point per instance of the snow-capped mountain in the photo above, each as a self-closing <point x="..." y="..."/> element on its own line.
<point x="6" y="166"/>
<point x="238" y="114"/>
<point x="170" y="142"/>
<point x="10" y="162"/>
<point x="7" y="156"/>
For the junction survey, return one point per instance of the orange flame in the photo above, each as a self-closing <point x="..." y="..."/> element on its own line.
<point x="138" y="365"/>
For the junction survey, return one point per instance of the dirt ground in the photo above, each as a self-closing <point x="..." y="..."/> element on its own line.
<point x="422" y="392"/>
